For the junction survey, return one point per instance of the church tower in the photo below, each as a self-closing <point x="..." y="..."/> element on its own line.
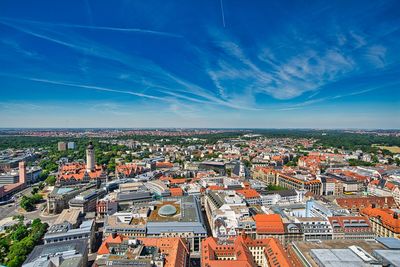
<point x="90" y="161"/>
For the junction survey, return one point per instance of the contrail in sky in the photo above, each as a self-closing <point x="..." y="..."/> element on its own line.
<point x="222" y="13"/>
<point x="90" y="27"/>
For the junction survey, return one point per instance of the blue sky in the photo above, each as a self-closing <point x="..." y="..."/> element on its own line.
<point x="206" y="63"/>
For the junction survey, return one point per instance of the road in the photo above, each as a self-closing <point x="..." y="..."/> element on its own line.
<point x="12" y="209"/>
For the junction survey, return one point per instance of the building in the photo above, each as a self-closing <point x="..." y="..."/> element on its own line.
<point x="71" y="216"/>
<point x="269" y="225"/>
<point x="267" y="175"/>
<point x="329" y="253"/>
<point x="106" y="207"/>
<point x="385" y="222"/>
<point x="59" y="198"/>
<point x="117" y="250"/>
<point x="71" y="145"/>
<point x="331" y="186"/>
<point x="289" y="196"/>
<point x="65" y="232"/>
<point x="243" y="251"/>
<point x="355" y="204"/>
<point x="251" y="196"/>
<point x="72" y="253"/>
<point x="128" y="170"/>
<point x="76" y="173"/>
<point x="173" y="217"/>
<point x="7" y="190"/>
<point x="291" y="182"/>
<point x="87" y="200"/>
<point x="351" y="227"/>
<point x="130" y="198"/>
<point x="315" y="228"/>
<point x="180" y="217"/>
<point x="62" y="146"/>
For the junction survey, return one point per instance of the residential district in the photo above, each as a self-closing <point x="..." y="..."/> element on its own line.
<point x="244" y="201"/>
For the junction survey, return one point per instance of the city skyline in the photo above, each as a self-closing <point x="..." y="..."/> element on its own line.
<point x="200" y="64"/>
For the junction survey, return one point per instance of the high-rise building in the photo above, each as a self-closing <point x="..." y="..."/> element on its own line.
<point x="71" y="145"/>
<point x="22" y="172"/>
<point x="62" y="146"/>
<point x="90" y="160"/>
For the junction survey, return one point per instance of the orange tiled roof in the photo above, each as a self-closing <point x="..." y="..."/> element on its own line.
<point x="129" y="169"/>
<point x="177" y="180"/>
<point x="386" y="217"/>
<point x="176" y="191"/>
<point x="269" y="223"/>
<point x="212" y="252"/>
<point x="248" y="193"/>
<point x="164" y="164"/>
<point x="215" y="187"/>
<point x="109" y="240"/>
<point x="340" y="220"/>
<point x="77" y="171"/>
<point x="174" y="248"/>
<point x="363" y="202"/>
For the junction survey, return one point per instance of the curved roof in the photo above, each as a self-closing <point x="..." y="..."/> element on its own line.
<point x="167" y="210"/>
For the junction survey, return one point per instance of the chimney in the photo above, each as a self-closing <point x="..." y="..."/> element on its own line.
<point x="395" y="216"/>
<point x="373" y="205"/>
<point x="22" y="172"/>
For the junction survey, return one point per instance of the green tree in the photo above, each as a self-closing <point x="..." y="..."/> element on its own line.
<point x="51" y="180"/>
<point x="19" y="233"/>
<point x="35" y="190"/>
<point x="27" y="203"/>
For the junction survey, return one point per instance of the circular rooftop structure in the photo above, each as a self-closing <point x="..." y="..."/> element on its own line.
<point x="167" y="210"/>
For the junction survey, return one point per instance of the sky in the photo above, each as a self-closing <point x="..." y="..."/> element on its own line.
<point x="200" y="63"/>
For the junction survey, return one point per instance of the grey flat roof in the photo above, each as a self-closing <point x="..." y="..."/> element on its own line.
<point x="389" y="242"/>
<point x="48" y="249"/>
<point x="389" y="256"/>
<point x="336" y="257"/>
<point x="133" y="195"/>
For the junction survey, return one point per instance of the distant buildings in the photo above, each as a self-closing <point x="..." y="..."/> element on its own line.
<point x="128" y="170"/>
<point x="76" y="172"/>
<point x="62" y="146"/>
<point x="71" y="145"/>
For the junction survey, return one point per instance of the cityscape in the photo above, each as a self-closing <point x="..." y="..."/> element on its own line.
<point x="211" y="133"/>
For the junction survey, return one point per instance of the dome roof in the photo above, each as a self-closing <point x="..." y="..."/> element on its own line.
<point x="167" y="210"/>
